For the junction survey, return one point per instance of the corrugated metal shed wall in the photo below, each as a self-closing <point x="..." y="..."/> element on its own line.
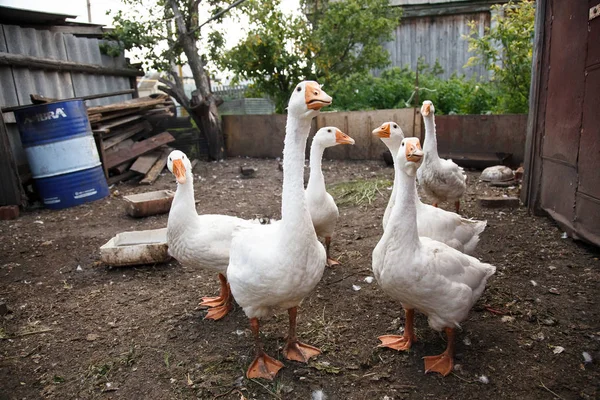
<point x="437" y="38"/>
<point x="17" y="83"/>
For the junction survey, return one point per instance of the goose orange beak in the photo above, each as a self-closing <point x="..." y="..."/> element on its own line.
<point x="413" y="150"/>
<point x="426" y="108"/>
<point x="342" y="138"/>
<point x="179" y="171"/>
<point x="383" y="131"/>
<point x="314" y="97"/>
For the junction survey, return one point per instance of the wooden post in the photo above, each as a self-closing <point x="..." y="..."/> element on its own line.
<point x="11" y="192"/>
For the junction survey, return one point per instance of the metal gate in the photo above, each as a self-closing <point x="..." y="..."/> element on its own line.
<point x="563" y="145"/>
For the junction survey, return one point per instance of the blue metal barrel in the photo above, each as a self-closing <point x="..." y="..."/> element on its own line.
<point x="60" y="147"/>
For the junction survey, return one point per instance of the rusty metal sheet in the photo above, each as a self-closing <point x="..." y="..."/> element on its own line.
<point x="565" y="85"/>
<point x="482" y="134"/>
<point x="589" y="149"/>
<point x="587" y="222"/>
<point x="559" y="182"/>
<point x="593" y="53"/>
<point x="254" y="135"/>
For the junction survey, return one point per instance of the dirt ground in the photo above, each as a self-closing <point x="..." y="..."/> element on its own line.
<point x="80" y="330"/>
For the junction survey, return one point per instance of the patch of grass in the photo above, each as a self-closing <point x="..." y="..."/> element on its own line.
<point x="356" y="193"/>
<point x="101" y="371"/>
<point x="326" y="367"/>
<point x="320" y="332"/>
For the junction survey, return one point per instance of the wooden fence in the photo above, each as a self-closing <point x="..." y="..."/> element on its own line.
<point x="458" y="135"/>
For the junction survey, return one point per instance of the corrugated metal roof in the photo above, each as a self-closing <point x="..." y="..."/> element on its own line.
<point x="17" y="16"/>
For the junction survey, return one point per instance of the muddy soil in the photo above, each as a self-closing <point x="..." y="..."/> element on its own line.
<point x="77" y="329"/>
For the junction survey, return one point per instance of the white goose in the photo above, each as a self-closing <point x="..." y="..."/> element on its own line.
<point x="200" y="240"/>
<point x="435" y="223"/>
<point x="421" y="273"/>
<point x="274" y="267"/>
<point x="323" y="210"/>
<point x="441" y="179"/>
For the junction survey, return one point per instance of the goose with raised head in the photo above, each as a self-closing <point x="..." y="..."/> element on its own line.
<point x="323" y="210"/>
<point x="421" y="273"/>
<point x="435" y="223"/>
<point x="200" y="241"/>
<point x="441" y="179"/>
<point x="274" y="267"/>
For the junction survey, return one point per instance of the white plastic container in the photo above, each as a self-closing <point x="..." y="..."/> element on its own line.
<point x="136" y="247"/>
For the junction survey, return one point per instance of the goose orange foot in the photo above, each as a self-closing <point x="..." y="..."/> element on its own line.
<point x="442" y="363"/>
<point x="222" y="298"/>
<point x="212" y="301"/>
<point x="264" y="367"/>
<point x="397" y="342"/>
<point x="331" y="262"/>
<point x="297" y="351"/>
<point x="216" y="313"/>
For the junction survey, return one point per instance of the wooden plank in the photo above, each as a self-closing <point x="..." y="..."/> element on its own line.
<point x="101" y="153"/>
<point x="122" y="177"/>
<point x="125" y="144"/>
<point x="51" y="64"/>
<point x="11" y="192"/>
<point x="138" y="149"/>
<point x="142" y="126"/>
<point x="112" y="115"/>
<point x="157" y="168"/>
<point x="39" y="99"/>
<point x="122" y="168"/>
<point x="106" y="128"/>
<point x="145" y="162"/>
<point x="114" y="140"/>
<point x="133" y="103"/>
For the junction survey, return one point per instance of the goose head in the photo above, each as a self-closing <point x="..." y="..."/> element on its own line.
<point x="180" y="166"/>
<point x="427" y="108"/>
<point x="307" y="99"/>
<point x="390" y="134"/>
<point x="331" y="136"/>
<point x="410" y="155"/>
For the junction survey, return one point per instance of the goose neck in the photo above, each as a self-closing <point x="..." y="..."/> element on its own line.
<point x="403" y="219"/>
<point x="293" y="203"/>
<point x="184" y="201"/>
<point x="430" y="144"/>
<point x="316" y="180"/>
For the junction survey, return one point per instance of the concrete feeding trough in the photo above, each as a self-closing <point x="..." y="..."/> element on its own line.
<point x="150" y="203"/>
<point x="136" y="247"/>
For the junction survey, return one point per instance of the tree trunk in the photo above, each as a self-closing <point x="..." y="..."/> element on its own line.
<point x="204" y="104"/>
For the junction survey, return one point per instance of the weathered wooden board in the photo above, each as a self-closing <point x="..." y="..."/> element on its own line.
<point x="126" y="134"/>
<point x="122" y="177"/>
<point x="157" y="168"/>
<point x="145" y="162"/>
<point x="129" y="104"/>
<point x="106" y="128"/>
<point x="139" y="148"/>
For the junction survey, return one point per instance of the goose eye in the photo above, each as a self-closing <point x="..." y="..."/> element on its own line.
<point x="395" y="126"/>
<point x="183" y="157"/>
<point x="170" y="159"/>
<point x="298" y="89"/>
<point x="329" y="130"/>
<point x="402" y="144"/>
<point x="316" y="93"/>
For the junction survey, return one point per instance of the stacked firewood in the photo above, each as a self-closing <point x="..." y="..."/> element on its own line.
<point x="128" y="145"/>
